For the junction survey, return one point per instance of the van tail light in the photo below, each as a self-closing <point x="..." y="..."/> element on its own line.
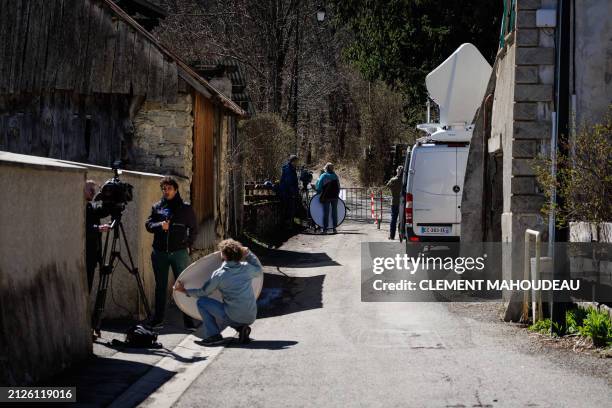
<point x="408" y="210"/>
<point x="414" y="239"/>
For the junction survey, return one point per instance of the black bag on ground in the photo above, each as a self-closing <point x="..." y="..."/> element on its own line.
<point x="139" y="336"/>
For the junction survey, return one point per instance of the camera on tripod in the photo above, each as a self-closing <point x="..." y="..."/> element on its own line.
<point x="115" y="194"/>
<point x="305" y="177"/>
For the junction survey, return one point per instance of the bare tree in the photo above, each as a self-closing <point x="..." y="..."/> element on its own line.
<point x="294" y="69"/>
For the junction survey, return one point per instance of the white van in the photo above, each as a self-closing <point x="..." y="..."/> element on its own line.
<point x="433" y="185"/>
<point x="435" y="167"/>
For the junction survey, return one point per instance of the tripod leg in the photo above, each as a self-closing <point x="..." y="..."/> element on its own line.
<point x="105" y="272"/>
<point x="96" y="319"/>
<point x="134" y="271"/>
<point x="143" y="296"/>
<point x="101" y="292"/>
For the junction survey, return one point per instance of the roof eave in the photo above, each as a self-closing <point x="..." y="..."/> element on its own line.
<point x="184" y="71"/>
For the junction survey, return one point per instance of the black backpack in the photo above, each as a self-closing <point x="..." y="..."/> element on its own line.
<point x="331" y="191"/>
<point x="139" y="336"/>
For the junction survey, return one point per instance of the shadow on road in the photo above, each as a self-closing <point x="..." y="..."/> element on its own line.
<point x="161" y="352"/>
<point x="291" y="259"/>
<point x="283" y="295"/>
<point x="340" y="232"/>
<point x="273" y="240"/>
<point x="99" y="381"/>
<point x="264" y="344"/>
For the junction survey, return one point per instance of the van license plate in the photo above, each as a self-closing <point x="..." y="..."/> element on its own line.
<point x="436" y="230"/>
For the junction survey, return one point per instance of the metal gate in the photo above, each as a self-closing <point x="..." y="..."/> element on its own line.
<point x="362" y="204"/>
<point x="366" y="205"/>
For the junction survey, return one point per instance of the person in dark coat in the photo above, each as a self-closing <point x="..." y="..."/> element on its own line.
<point x="395" y="185"/>
<point x="94" y="228"/>
<point x="289" y="189"/>
<point x="174" y="227"/>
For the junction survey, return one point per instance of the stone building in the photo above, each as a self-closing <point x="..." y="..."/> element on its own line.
<point x="82" y="81"/>
<point x="515" y="123"/>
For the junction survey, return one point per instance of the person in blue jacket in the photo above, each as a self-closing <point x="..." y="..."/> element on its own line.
<point x="328" y="185"/>
<point x="289" y="190"/>
<point x="234" y="280"/>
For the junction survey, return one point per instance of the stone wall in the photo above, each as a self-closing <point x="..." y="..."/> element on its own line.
<point x="521" y="119"/>
<point x="473" y="217"/>
<point x="521" y="130"/>
<point x="163" y="138"/>
<point x="530" y="123"/>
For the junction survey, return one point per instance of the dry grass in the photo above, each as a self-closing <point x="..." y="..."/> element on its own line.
<point x="348" y="173"/>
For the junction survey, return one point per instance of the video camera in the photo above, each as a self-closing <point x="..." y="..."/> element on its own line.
<point x="305" y="177"/>
<point x="115" y="194"/>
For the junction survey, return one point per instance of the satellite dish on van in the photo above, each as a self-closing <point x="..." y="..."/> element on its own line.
<point x="458" y="84"/>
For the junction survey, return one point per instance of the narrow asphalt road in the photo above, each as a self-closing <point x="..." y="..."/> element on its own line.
<point x="319" y="345"/>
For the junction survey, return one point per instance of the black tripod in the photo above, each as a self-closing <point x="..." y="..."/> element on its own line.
<point x="107" y="268"/>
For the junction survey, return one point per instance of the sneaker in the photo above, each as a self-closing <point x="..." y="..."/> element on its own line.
<point x="243" y="335"/>
<point x="335" y="231"/>
<point x="212" y="340"/>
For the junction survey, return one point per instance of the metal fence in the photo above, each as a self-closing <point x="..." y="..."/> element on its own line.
<point x="366" y="204"/>
<point x="362" y="204"/>
<point x="257" y="192"/>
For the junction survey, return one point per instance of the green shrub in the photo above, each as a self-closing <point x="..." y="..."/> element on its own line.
<point x="598" y="327"/>
<point x="266" y="144"/>
<point x="575" y="318"/>
<point x="586" y="322"/>
<point x="541" y="326"/>
<point x="584" y="176"/>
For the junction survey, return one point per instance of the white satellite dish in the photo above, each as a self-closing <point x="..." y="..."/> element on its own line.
<point x="458" y="85"/>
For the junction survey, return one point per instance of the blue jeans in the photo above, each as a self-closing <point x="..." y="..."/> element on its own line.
<point x="334" y="211"/>
<point x="394" y="215"/>
<point x="214" y="318"/>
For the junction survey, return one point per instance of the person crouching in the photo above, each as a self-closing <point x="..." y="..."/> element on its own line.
<point x="234" y="281"/>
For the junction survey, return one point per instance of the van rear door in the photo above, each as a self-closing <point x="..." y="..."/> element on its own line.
<point x="434" y="176"/>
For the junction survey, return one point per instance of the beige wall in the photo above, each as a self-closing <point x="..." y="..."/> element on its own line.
<point x="44" y="324"/>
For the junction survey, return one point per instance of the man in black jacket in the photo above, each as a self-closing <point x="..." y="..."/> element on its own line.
<point x="173" y="223"/>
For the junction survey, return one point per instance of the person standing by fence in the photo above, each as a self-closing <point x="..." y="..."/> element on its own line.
<point x="395" y="185"/>
<point x="288" y="189"/>
<point x="328" y="186"/>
